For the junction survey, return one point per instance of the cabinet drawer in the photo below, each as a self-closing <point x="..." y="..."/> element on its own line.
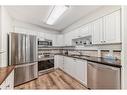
<point x="9" y="82"/>
<point x="3" y="86"/>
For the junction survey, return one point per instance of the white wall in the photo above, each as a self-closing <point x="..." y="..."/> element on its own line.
<point x="6" y="27"/>
<point x="91" y="17"/>
<point x="124" y="47"/>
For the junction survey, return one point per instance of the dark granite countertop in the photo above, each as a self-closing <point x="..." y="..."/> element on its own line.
<point x="99" y="60"/>
<point x="4" y="72"/>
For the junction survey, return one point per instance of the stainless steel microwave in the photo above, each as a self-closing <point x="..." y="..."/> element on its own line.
<point x="44" y="43"/>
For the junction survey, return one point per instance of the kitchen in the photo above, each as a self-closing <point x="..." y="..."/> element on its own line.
<point x="44" y="47"/>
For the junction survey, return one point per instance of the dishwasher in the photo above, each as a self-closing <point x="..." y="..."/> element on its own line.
<point x="101" y="76"/>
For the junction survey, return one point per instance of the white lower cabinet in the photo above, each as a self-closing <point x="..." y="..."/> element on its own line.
<point x="80" y="71"/>
<point x="77" y="68"/>
<point x="59" y="61"/>
<point x="8" y="84"/>
<point x="68" y="65"/>
<point x="107" y="30"/>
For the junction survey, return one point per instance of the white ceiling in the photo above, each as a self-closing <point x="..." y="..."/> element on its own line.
<point x="38" y="15"/>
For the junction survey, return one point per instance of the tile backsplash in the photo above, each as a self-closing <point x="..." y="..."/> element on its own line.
<point x="115" y="53"/>
<point x="83" y="52"/>
<point x="95" y="53"/>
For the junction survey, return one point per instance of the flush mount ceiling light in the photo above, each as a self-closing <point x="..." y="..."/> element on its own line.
<point x="56" y="12"/>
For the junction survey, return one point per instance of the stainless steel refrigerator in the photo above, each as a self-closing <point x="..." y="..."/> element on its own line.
<point x="23" y="54"/>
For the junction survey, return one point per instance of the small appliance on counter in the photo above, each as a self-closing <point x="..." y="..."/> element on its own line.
<point x="82" y="41"/>
<point x="66" y="52"/>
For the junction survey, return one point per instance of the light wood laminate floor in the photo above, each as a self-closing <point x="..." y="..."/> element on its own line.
<point x="56" y="79"/>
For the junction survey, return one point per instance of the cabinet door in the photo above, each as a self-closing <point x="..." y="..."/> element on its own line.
<point x="10" y="81"/>
<point x="81" y="71"/>
<point x="65" y="64"/>
<point x="3" y="85"/>
<point x="60" y="40"/>
<point x="112" y="30"/>
<point x="56" y="62"/>
<point x="82" y="31"/>
<point x="97" y="31"/>
<point x="67" y="39"/>
<point x="76" y="68"/>
<point x="75" y="33"/>
<point x="85" y="30"/>
<point x="51" y="37"/>
<point x="68" y="65"/>
<point x="60" y="62"/>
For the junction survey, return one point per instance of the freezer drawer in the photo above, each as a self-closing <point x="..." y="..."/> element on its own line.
<point x="102" y="76"/>
<point x="24" y="73"/>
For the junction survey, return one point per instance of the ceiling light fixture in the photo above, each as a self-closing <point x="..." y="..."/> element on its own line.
<point x="56" y="12"/>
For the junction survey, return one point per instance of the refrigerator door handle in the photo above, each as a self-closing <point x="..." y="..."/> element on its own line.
<point x="21" y="48"/>
<point x="23" y="65"/>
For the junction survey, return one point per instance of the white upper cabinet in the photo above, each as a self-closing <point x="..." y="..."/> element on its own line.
<point x="85" y="30"/>
<point x="107" y="30"/>
<point x="97" y="31"/>
<point x="82" y="31"/>
<point x="112" y="29"/>
<point x="52" y="37"/>
<point x="59" y="40"/>
<point x="41" y="36"/>
<point x="67" y="39"/>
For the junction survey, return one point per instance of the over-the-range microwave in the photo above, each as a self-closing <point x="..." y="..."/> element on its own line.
<point x="44" y="43"/>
